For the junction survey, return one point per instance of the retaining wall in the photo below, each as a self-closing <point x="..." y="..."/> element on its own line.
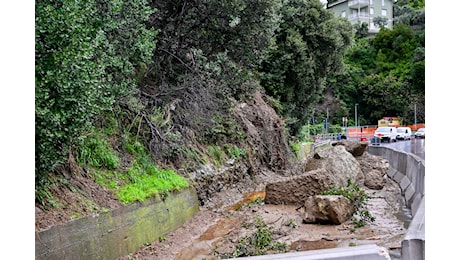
<point x="409" y="171"/>
<point x="118" y="232"/>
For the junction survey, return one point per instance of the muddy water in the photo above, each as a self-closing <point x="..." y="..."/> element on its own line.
<point x="388" y="230"/>
<point x="205" y="244"/>
<point x="404" y="214"/>
<point x="202" y="248"/>
<point x="248" y="198"/>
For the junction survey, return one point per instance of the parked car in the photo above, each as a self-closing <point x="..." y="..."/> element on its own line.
<point x="386" y="133"/>
<point x="420" y="133"/>
<point x="403" y="133"/>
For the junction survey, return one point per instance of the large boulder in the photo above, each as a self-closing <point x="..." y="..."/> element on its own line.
<point x="332" y="166"/>
<point x="295" y="190"/>
<point x="374" y="169"/>
<point x="356" y="148"/>
<point x="340" y="165"/>
<point x="327" y="209"/>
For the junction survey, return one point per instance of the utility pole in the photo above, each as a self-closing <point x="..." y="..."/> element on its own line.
<point x="356" y="116"/>
<point x="415" y="114"/>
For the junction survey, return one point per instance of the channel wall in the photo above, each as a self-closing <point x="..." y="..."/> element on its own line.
<point x="118" y="232"/>
<point x="409" y="171"/>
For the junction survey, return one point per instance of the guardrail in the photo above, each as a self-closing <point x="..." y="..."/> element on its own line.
<point x="409" y="171"/>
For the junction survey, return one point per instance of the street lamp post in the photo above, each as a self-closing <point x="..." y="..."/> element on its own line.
<point x="356" y="116"/>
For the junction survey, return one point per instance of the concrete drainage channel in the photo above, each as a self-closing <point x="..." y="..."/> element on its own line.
<point x="116" y="233"/>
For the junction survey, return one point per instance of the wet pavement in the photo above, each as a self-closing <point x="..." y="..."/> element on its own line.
<point x="415" y="146"/>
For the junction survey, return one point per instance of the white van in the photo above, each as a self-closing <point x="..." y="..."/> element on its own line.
<point x="403" y="133"/>
<point x="386" y="133"/>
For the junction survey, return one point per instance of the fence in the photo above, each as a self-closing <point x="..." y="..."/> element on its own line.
<point x="364" y="133"/>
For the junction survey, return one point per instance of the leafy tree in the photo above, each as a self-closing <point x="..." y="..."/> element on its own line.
<point x="395" y="48"/>
<point x="411" y="14"/>
<point x="206" y="56"/>
<point x="385" y="74"/>
<point x="403" y="14"/>
<point x="361" y="30"/>
<point x="362" y="54"/>
<point x="84" y="61"/>
<point x="381" y="96"/>
<point x="308" y="47"/>
<point x="380" y="21"/>
<point x="416" y="4"/>
<point x="194" y="31"/>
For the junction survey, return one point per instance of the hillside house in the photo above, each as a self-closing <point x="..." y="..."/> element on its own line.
<point x="359" y="11"/>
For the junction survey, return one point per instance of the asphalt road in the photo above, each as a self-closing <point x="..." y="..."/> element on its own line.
<point x="414" y="146"/>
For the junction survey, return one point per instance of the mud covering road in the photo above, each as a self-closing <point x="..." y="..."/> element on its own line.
<point x="216" y="233"/>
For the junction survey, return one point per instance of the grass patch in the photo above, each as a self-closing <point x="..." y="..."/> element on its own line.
<point x="110" y="180"/>
<point x="141" y="180"/>
<point x="235" y="152"/>
<point x="216" y="154"/>
<point x="295" y="147"/>
<point x="95" y="151"/>
<point x="148" y="182"/>
<point x="146" y="179"/>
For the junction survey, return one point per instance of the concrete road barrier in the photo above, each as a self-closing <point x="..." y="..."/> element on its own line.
<point x="365" y="252"/>
<point x="409" y="171"/>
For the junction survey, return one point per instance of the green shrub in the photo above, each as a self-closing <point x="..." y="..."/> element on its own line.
<point x="147" y="179"/>
<point x="216" y="154"/>
<point x="295" y="147"/>
<point x="96" y="152"/>
<point x="359" y="198"/>
<point x="259" y="242"/>
<point x="85" y="58"/>
<point x="234" y="151"/>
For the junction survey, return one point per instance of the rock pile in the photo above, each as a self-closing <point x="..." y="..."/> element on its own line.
<point x="344" y="162"/>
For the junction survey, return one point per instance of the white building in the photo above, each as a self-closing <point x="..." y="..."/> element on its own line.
<point x="359" y="11"/>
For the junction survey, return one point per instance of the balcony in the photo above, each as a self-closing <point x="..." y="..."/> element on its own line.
<point x="355" y="4"/>
<point x="363" y="16"/>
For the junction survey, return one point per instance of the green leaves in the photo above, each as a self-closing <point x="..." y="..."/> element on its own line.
<point x="385" y="74"/>
<point x="359" y="198"/>
<point x="308" y="47"/>
<point x="84" y="62"/>
<point x="96" y="152"/>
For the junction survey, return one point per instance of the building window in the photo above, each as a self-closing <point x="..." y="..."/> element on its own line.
<point x="371" y="10"/>
<point x="383" y="2"/>
<point x="384" y="12"/>
<point x="344" y="14"/>
<point x="370" y="2"/>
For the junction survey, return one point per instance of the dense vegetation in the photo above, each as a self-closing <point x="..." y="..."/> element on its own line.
<point x="310" y="46"/>
<point x="384" y="74"/>
<point x="130" y="90"/>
